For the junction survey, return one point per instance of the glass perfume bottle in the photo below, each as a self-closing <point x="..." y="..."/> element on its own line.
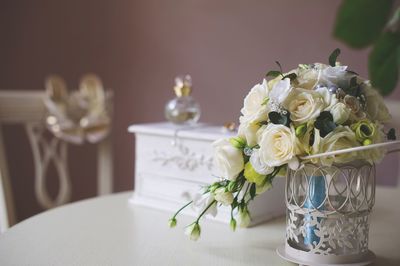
<point x="183" y="109"/>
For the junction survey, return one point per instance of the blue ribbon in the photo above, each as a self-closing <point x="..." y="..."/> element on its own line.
<point x="316" y="196"/>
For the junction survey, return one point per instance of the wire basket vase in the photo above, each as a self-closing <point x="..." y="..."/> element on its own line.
<point x="328" y="210"/>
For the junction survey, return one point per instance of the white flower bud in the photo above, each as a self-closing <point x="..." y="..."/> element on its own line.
<point x="193" y="231"/>
<point x="224" y="197"/>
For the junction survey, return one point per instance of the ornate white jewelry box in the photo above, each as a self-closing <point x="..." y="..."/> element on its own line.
<point x="173" y="163"/>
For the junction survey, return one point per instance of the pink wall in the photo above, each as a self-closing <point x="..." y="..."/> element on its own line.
<point x="137" y="47"/>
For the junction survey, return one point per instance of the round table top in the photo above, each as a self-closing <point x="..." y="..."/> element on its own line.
<point x="110" y="231"/>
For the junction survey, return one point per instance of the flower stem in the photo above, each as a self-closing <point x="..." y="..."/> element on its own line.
<point x="239" y="189"/>
<point x="205" y="210"/>
<point x="183" y="207"/>
<point x="245" y="192"/>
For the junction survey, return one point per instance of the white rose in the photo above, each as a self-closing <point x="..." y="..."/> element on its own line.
<point x="342" y="137"/>
<point x="277" y="145"/>
<point x="248" y="130"/>
<point x="375" y="106"/>
<point x="228" y="159"/>
<point x="253" y="108"/>
<point x="304" y="105"/>
<point x="259" y="166"/>
<point x="224" y="197"/>
<point x="340" y="113"/>
<point x="280" y="91"/>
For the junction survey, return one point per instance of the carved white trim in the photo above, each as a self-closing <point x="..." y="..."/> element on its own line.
<point x="182" y="157"/>
<point x="46" y="151"/>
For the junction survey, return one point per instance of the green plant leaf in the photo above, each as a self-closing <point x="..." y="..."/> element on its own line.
<point x="325" y="123"/>
<point x="252" y="191"/>
<point x="360" y="22"/>
<point x="383" y="62"/>
<point x="398" y="58"/>
<point x="279" y="119"/>
<point x="273" y="73"/>
<point x="391" y="135"/>
<point x="334" y="55"/>
<point x="395" y="20"/>
<point x="291" y="76"/>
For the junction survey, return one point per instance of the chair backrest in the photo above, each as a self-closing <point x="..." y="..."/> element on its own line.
<point x="4" y="215"/>
<point x="27" y="108"/>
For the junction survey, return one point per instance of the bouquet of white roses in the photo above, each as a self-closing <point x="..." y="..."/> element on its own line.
<point x="313" y="109"/>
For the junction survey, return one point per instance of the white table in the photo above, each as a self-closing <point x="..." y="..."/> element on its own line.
<point x="109" y="231"/>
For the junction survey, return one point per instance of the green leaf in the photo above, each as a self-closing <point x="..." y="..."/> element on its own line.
<point x="383" y="64"/>
<point x="391" y="135"/>
<point x="325" y="123"/>
<point x="291" y="76"/>
<point x="398" y="58"/>
<point x="279" y="119"/>
<point x="252" y="191"/>
<point x="301" y="130"/>
<point x="232" y="186"/>
<point x="234" y="204"/>
<point x="265" y="101"/>
<point x="395" y="20"/>
<point x="360" y="22"/>
<point x="273" y="73"/>
<point x="353" y="82"/>
<point x="334" y="55"/>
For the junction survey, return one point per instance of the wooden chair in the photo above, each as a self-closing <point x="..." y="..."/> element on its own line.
<point x="27" y="109"/>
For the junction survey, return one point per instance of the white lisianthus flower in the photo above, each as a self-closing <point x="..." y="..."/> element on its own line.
<point x="193" y="231"/>
<point x="278" y="145"/>
<point x="308" y="78"/>
<point x="340" y="113"/>
<point x="200" y="202"/>
<point x="224" y="197"/>
<point x="304" y="105"/>
<point x="248" y="130"/>
<point x="259" y="166"/>
<point x="376" y="155"/>
<point x="271" y="83"/>
<point x="342" y="137"/>
<point x="336" y="75"/>
<point x="253" y="108"/>
<point x="227" y="159"/>
<point x="280" y="91"/>
<point x="375" y="106"/>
